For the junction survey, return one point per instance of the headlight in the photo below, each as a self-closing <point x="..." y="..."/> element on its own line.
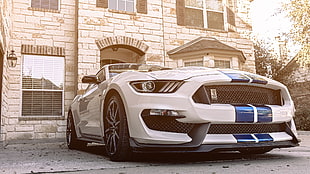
<point x="156" y="86"/>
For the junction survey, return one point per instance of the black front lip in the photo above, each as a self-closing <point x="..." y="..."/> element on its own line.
<point x="151" y="148"/>
<point x="198" y="134"/>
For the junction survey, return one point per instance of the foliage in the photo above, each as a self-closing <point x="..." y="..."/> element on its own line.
<point x="299" y="13"/>
<point x="266" y="63"/>
<point x="302" y="119"/>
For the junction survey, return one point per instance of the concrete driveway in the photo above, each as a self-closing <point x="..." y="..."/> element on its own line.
<point x="55" y="157"/>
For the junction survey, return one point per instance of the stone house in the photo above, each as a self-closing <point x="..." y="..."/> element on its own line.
<point x="57" y="42"/>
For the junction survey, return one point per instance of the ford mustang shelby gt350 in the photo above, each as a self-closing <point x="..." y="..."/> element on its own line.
<point x="146" y="108"/>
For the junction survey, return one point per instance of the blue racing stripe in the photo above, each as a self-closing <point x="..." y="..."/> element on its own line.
<point x="237" y="77"/>
<point x="264" y="114"/>
<point x="244" y="113"/>
<point x="245" y="78"/>
<point x="244" y="138"/>
<point x="257" y="79"/>
<point x="263" y="137"/>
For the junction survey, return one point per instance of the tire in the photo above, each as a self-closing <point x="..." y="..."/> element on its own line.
<point x="116" y="134"/>
<point x="255" y="150"/>
<point x="71" y="137"/>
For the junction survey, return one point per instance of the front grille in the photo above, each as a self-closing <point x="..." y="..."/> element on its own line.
<point x="167" y="124"/>
<point x="237" y="94"/>
<point x="245" y="128"/>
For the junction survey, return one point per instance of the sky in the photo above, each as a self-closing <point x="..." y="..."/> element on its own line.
<point x="269" y="22"/>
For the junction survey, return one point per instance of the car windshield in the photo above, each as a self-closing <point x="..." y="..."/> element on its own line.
<point x="115" y="69"/>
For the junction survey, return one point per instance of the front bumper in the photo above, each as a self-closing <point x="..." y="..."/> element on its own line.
<point x="201" y="116"/>
<point x="142" y="148"/>
<point x="204" y="142"/>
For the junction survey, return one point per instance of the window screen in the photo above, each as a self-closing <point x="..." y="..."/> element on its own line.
<point x="123" y="5"/>
<point x="45" y="4"/>
<point x="194" y="63"/>
<point x="42" y="85"/>
<point x="204" y="13"/>
<point x="194" y="17"/>
<point x="222" y="64"/>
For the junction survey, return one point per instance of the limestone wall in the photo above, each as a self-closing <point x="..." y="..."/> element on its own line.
<point x="39" y="27"/>
<point x="157" y="29"/>
<point x="5" y="35"/>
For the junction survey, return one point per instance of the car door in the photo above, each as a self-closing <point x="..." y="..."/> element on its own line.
<point x="90" y="107"/>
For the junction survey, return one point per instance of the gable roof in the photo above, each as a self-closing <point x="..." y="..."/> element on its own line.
<point x="205" y="44"/>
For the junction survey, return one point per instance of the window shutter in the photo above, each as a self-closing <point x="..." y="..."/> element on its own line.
<point x="102" y="3"/>
<point x="230" y="17"/>
<point x="180" y="10"/>
<point x="142" y="6"/>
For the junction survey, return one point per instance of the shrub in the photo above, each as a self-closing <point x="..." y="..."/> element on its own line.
<point x="302" y="119"/>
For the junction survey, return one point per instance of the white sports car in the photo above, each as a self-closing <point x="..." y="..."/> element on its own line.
<point x="145" y="108"/>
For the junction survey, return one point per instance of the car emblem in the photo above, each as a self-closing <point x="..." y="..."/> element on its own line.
<point x="213" y="94"/>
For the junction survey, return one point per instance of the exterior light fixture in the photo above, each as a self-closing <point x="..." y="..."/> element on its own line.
<point x="12" y="58"/>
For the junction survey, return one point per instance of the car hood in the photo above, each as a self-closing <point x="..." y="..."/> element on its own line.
<point x="182" y="74"/>
<point x="188" y="73"/>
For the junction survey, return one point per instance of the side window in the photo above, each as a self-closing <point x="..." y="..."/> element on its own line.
<point x="101" y="75"/>
<point x="45" y="4"/>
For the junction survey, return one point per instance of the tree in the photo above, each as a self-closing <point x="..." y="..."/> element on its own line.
<point x="266" y="63"/>
<point x="299" y="14"/>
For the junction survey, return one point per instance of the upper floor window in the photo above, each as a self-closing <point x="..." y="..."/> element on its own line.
<point x="139" y="6"/>
<point x="122" y="5"/>
<point x="204" y="13"/>
<point x="45" y="4"/>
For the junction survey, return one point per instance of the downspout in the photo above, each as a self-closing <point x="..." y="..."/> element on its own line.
<point x="76" y="47"/>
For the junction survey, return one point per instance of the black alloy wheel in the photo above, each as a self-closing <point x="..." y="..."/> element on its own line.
<point x="116" y="132"/>
<point x="71" y="137"/>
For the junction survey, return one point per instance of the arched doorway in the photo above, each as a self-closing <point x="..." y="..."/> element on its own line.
<point x="115" y="54"/>
<point x="121" y="49"/>
<point x="109" y="61"/>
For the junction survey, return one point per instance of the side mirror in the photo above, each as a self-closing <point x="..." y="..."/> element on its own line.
<point x="90" y="79"/>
